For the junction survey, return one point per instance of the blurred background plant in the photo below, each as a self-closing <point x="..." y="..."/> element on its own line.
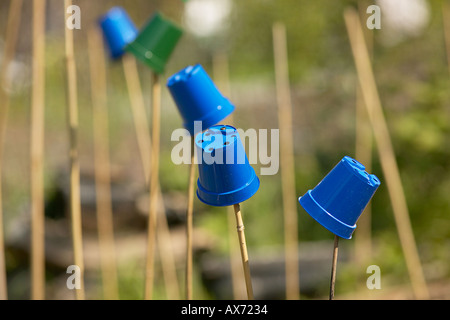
<point x="413" y="79"/>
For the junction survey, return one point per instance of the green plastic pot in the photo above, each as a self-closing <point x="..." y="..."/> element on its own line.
<point x="156" y="42"/>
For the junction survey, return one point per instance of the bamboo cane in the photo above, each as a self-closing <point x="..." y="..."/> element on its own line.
<point x="154" y="184"/>
<point x="334" y="266"/>
<point x="243" y="247"/>
<point x="165" y="249"/>
<point x="102" y="167"/>
<point x="286" y="161"/>
<point x="137" y="105"/>
<point x="37" y="153"/>
<point x="222" y="79"/>
<point x="222" y="76"/>
<point x="75" y="205"/>
<point x="237" y="274"/>
<point x="189" y="222"/>
<point x="363" y="152"/>
<point x="12" y="29"/>
<point x="385" y="153"/>
<point x="138" y="111"/>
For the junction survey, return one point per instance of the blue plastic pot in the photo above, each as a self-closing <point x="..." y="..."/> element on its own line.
<point x="118" y="30"/>
<point x="225" y="175"/>
<point x="198" y="99"/>
<point x="340" y="198"/>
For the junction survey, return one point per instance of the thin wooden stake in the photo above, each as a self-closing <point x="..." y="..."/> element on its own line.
<point x="75" y="203"/>
<point x="37" y="154"/>
<point x="102" y="166"/>
<point x="221" y="75"/>
<point x="154" y="185"/>
<point x="138" y="111"/>
<point x="12" y="30"/>
<point x="386" y="153"/>
<point x="237" y="273"/>
<point x="363" y="152"/>
<point x="333" y="266"/>
<point x="165" y="249"/>
<point x="141" y="125"/>
<point x="286" y="162"/>
<point x="222" y="79"/>
<point x="189" y="222"/>
<point x="243" y="247"/>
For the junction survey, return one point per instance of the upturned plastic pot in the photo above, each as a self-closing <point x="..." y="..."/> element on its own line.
<point x="118" y="31"/>
<point x="339" y="199"/>
<point x="225" y="175"/>
<point x="198" y="100"/>
<point x="156" y="42"/>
